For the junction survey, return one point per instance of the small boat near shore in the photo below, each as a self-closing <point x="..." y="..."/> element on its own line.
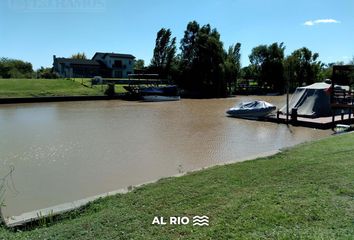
<point x="342" y="128"/>
<point x="157" y="93"/>
<point x="160" y="98"/>
<point x="254" y="109"/>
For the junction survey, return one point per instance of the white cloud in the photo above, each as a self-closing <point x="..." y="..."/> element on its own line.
<point x="318" y="21"/>
<point x="309" y="23"/>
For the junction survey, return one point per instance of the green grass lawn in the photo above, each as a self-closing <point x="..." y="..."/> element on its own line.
<point x="306" y="192"/>
<point x="119" y="88"/>
<point x="44" y="87"/>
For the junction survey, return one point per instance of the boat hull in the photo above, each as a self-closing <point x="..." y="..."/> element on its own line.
<point x="159" y="98"/>
<point x="252" y="110"/>
<point x="248" y="114"/>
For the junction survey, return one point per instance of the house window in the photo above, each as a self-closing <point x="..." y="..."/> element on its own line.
<point x="130" y="62"/>
<point x="117" y="64"/>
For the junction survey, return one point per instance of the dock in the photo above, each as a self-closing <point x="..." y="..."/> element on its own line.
<point x="318" y="123"/>
<point x="341" y="103"/>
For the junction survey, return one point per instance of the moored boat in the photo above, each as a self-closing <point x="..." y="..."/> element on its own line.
<point x="341" y="128"/>
<point x="160" y="98"/>
<point x="254" y="109"/>
<point x="155" y="94"/>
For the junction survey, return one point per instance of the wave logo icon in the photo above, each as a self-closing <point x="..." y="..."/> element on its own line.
<point x="200" y="221"/>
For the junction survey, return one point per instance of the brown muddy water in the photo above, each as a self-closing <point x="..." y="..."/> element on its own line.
<point x="71" y="150"/>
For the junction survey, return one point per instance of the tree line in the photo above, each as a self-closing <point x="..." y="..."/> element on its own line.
<point x="204" y="66"/>
<point x="14" y="68"/>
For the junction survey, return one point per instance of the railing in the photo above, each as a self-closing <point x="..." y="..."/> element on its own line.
<point x="131" y="81"/>
<point x="342" y="98"/>
<point x="342" y="103"/>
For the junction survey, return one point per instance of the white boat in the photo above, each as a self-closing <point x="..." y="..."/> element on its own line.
<point x="341" y="128"/>
<point x="254" y="109"/>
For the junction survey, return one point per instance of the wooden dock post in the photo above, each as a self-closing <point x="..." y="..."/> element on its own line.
<point x="350" y="113"/>
<point x="294" y="116"/>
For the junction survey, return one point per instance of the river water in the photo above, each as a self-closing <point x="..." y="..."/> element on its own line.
<point x="71" y="150"/>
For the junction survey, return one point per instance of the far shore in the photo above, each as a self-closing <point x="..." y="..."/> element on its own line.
<point x="59" y="90"/>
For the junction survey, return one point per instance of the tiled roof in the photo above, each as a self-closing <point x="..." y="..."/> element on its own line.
<point x="119" y="55"/>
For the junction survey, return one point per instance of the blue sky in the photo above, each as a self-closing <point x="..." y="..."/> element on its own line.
<point x="35" y="30"/>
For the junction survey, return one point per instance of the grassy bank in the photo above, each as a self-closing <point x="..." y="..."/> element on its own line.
<point x="44" y="87"/>
<point x="302" y="193"/>
<point x="119" y="88"/>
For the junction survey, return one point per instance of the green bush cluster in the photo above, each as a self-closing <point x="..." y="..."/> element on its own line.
<point x="13" y="68"/>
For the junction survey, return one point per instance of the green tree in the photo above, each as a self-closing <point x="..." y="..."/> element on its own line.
<point x="249" y="72"/>
<point x="268" y="64"/>
<point x="79" y="56"/>
<point x="302" y="67"/>
<point x="46" y="73"/>
<point x="139" y="64"/>
<point x="14" y="68"/>
<point x="4" y="69"/>
<point x="189" y="46"/>
<point x="202" y="60"/>
<point x="326" y="71"/>
<point x="232" y="65"/>
<point x="164" y="52"/>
